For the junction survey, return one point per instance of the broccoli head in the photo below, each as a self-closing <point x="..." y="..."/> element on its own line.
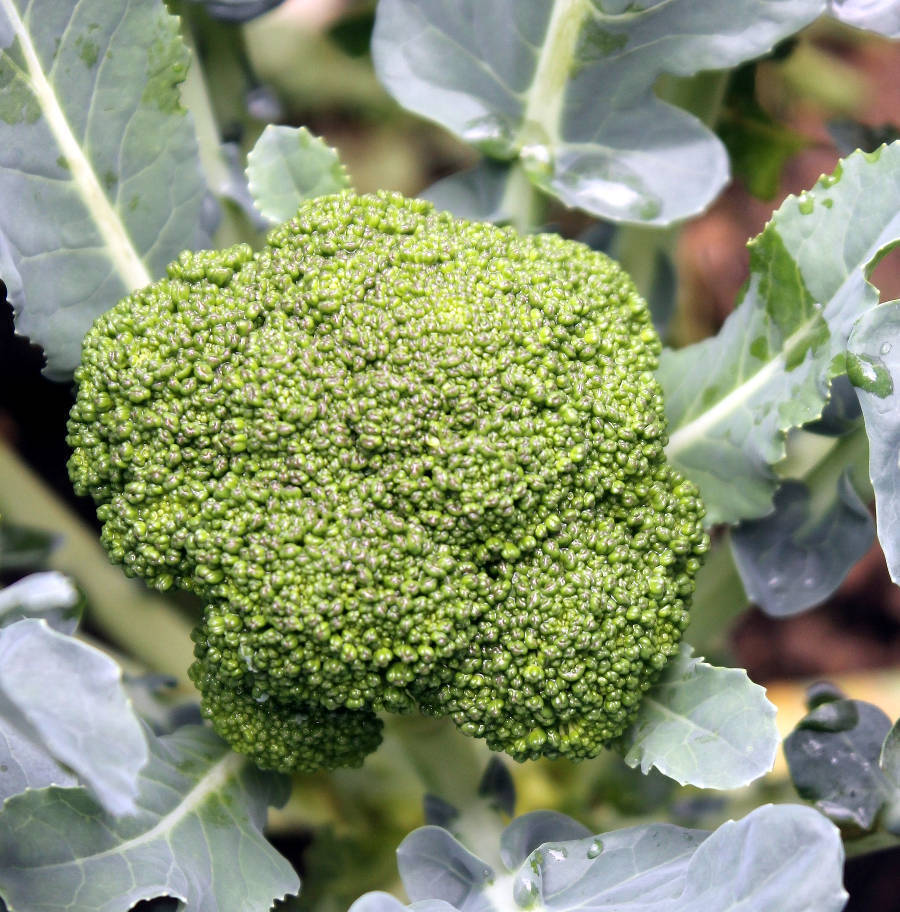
<point x="408" y="461"/>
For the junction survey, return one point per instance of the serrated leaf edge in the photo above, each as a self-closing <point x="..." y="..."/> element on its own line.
<point x="253" y="154"/>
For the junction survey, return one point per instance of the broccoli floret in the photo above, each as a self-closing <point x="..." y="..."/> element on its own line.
<point x="408" y="461"/>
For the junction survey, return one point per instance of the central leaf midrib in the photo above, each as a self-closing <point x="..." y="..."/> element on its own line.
<point x="122" y="252"/>
<point x="684" y="436"/>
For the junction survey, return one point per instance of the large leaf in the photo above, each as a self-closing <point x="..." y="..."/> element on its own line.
<point x="568" y="88"/>
<point x="195" y="836"/>
<point x="62" y="702"/>
<point x="833" y="755"/>
<point x="704" y="726"/>
<point x="874" y="366"/>
<point x="289" y="165"/>
<point x="100" y="185"/>
<point x="730" y="399"/>
<point x="788" y="858"/>
<point x="881" y="16"/>
<point x="793" y="559"/>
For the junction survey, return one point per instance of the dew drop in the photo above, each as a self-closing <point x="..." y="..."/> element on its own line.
<point x="806" y="205"/>
<point x="490" y="132"/>
<point x="595" y="848"/>
<point x="870" y="374"/>
<point x="886" y="348"/>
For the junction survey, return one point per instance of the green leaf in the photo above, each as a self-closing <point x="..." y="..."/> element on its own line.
<point x="50" y="595"/>
<point x="793" y="559"/>
<point x="730" y="399"/>
<point x="23" y="548"/>
<point x="874" y="366"/>
<point x="788" y="858"/>
<point x="833" y="757"/>
<point x="289" y="165"/>
<point x="87" y="724"/>
<point x="703" y="726"/>
<point x="195" y="836"/>
<point x="100" y="185"/>
<point x="758" y="145"/>
<point x="882" y="16"/>
<point x="567" y="87"/>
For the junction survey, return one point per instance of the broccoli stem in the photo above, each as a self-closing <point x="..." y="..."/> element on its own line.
<point x="234" y="227"/>
<point x="523" y="204"/>
<point x="147" y="626"/>
<point x="719" y="599"/>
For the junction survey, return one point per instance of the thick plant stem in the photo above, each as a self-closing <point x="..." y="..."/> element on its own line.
<point x="234" y="226"/>
<point x="523" y="204"/>
<point x="142" y="623"/>
<point x="447" y="763"/>
<point x="719" y="600"/>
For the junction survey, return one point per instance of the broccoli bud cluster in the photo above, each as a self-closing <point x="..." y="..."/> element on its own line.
<point x="408" y="461"/>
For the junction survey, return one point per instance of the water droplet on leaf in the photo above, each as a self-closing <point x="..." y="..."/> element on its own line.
<point x="870" y="374"/>
<point x="595" y="848"/>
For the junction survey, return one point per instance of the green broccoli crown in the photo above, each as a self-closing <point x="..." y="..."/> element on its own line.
<point x="408" y="461"/>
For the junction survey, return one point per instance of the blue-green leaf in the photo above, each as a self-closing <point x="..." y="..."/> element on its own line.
<point x="195" y="836"/>
<point x="882" y="16"/>
<point x="289" y="165"/>
<point x="889" y="761"/>
<point x="529" y="831"/>
<point x="24" y="761"/>
<point x="434" y="865"/>
<point x="788" y="858"/>
<point x="793" y="559"/>
<point x="100" y="184"/>
<point x="567" y="87"/>
<point x="874" y="366"/>
<point x="783" y="857"/>
<point x="704" y="726"/>
<point x="637" y="868"/>
<point x="238" y="10"/>
<point x="24" y="548"/>
<point x="378" y="901"/>
<point x="730" y="399"/>
<point x="478" y="194"/>
<point x="833" y="755"/>
<point x="50" y="595"/>
<point x="87" y="723"/>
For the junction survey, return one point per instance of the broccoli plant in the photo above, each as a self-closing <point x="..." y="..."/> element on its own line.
<point x="409" y="481"/>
